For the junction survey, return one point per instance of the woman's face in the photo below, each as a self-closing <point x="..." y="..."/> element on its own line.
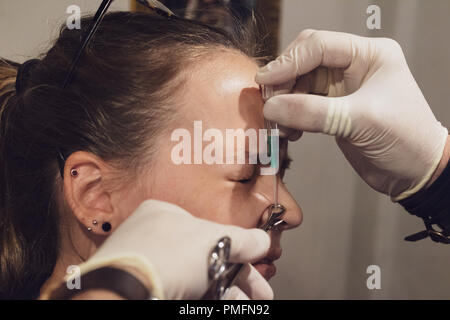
<point x="222" y="94"/>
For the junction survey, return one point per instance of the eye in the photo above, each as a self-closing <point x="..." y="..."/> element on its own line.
<point x="245" y="181"/>
<point x="247" y="176"/>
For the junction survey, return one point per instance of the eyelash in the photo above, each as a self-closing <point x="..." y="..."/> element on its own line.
<point x="249" y="179"/>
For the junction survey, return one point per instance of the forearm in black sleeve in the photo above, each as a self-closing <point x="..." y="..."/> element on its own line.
<point x="433" y="206"/>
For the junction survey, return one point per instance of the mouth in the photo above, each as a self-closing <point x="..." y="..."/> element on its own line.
<point x="266" y="266"/>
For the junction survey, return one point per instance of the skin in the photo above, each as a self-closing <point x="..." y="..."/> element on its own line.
<point x="223" y="94"/>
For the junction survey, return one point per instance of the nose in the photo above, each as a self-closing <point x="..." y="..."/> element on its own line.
<point x="293" y="215"/>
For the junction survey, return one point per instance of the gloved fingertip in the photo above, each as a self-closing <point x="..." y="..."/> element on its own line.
<point x="261" y="77"/>
<point x="253" y="284"/>
<point x="265" y="74"/>
<point x="262" y="239"/>
<point x="272" y="108"/>
<point x="271" y="66"/>
<point x="267" y="294"/>
<point x="248" y="245"/>
<point x="234" y="293"/>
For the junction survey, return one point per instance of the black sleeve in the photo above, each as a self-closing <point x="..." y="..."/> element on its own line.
<point x="433" y="206"/>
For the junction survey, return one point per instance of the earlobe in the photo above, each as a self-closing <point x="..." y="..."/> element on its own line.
<point x="86" y="194"/>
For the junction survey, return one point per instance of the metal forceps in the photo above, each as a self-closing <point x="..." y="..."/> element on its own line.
<point x="223" y="273"/>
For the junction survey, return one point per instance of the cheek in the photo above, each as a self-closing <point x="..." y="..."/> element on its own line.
<point x="206" y="194"/>
<point x="128" y="199"/>
<point x="229" y="204"/>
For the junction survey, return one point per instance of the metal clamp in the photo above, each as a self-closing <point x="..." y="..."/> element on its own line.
<point x="218" y="266"/>
<point x="221" y="272"/>
<point x="435" y="235"/>
<point x="276" y="211"/>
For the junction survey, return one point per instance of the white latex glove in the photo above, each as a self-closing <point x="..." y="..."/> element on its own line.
<point x="177" y="246"/>
<point x="364" y="94"/>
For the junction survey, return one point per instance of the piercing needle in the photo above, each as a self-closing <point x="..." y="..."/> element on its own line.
<point x="275" y="176"/>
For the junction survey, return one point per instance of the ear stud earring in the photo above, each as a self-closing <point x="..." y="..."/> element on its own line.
<point x="94" y="222"/>
<point x="106" y="226"/>
<point x="73" y="172"/>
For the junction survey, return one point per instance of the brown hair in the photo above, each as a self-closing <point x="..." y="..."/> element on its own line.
<point x="120" y="98"/>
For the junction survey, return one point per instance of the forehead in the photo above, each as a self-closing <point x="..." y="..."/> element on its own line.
<point x="223" y="94"/>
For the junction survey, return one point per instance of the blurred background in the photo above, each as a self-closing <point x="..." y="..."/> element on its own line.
<point x="347" y="226"/>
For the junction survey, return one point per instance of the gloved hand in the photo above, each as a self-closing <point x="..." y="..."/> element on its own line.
<point x="177" y="247"/>
<point x="361" y="91"/>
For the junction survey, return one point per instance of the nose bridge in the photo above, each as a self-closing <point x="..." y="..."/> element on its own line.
<point x="293" y="215"/>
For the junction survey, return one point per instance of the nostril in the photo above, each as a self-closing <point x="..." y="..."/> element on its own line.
<point x="274" y="216"/>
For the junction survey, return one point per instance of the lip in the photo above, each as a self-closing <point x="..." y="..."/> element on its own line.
<point x="274" y="254"/>
<point x="266" y="266"/>
<point x="267" y="270"/>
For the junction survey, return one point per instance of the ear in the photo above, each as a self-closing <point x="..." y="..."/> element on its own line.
<point x="86" y="192"/>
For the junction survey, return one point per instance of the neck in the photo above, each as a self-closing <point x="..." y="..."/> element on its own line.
<point x="77" y="245"/>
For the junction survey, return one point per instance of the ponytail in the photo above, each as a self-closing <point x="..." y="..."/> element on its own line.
<point x="28" y="243"/>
